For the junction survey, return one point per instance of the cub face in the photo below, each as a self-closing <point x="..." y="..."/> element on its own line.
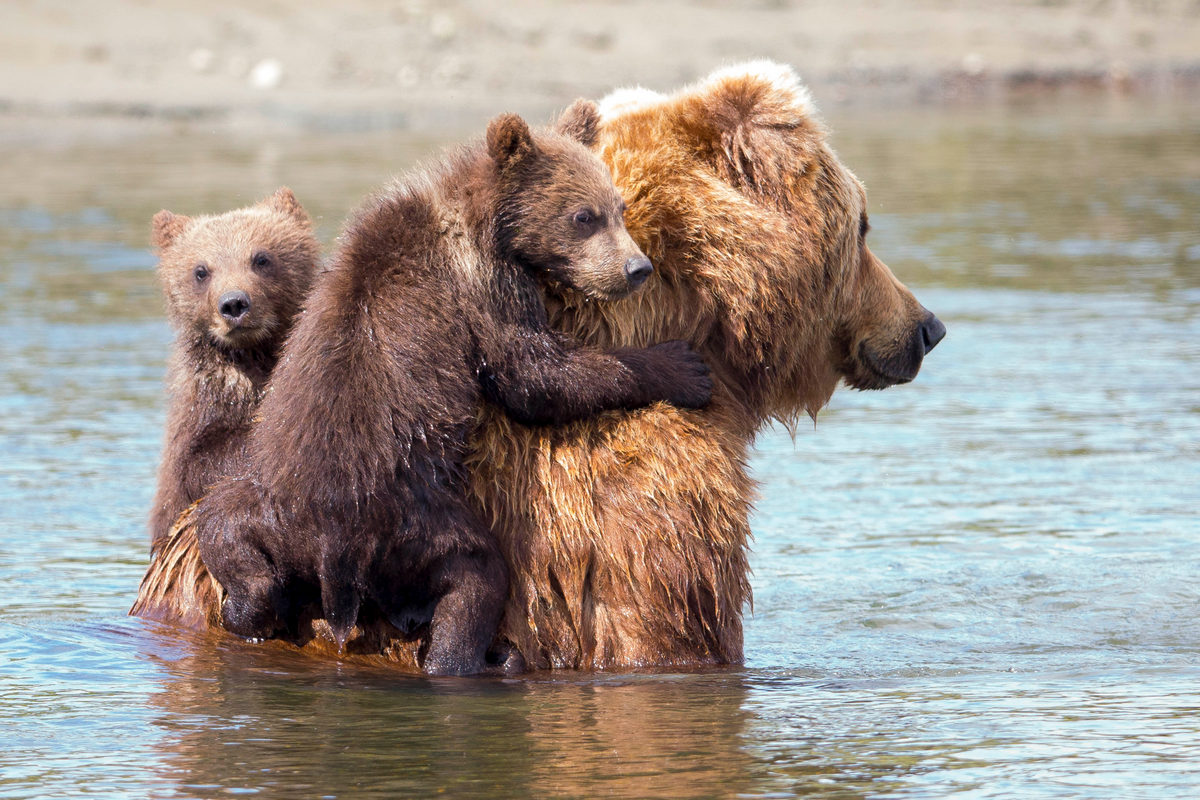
<point x="238" y="278"/>
<point x="561" y="215"/>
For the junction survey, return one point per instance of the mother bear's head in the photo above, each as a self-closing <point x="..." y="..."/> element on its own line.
<point x="758" y="235"/>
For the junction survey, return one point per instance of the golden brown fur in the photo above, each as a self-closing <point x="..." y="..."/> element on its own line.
<point x="626" y="535"/>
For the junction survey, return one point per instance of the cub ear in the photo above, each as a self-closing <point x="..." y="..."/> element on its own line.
<point x="509" y="141"/>
<point x="580" y="122"/>
<point x="166" y="227"/>
<point x="284" y="201"/>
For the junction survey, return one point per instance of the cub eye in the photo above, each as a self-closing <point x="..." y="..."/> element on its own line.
<point x="260" y="260"/>
<point x="201" y="273"/>
<point x="584" y="218"/>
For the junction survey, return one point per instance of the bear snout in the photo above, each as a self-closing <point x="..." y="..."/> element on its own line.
<point x="932" y="331"/>
<point x="886" y="363"/>
<point x="234" y="305"/>
<point x="637" y="270"/>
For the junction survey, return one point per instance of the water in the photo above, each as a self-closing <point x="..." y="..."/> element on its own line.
<point x="982" y="584"/>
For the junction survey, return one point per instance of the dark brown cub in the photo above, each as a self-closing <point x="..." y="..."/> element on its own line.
<point x="356" y="487"/>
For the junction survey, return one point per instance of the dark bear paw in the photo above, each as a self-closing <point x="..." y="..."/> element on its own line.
<point x="251" y="615"/>
<point x="505" y="659"/>
<point x="452" y="664"/>
<point x="684" y="375"/>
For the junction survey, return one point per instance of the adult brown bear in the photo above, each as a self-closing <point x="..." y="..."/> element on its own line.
<point x="626" y="535"/>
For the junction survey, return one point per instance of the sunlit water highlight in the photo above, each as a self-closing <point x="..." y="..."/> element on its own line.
<point x="985" y="582"/>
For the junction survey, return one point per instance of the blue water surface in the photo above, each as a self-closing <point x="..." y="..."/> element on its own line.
<point x="982" y="584"/>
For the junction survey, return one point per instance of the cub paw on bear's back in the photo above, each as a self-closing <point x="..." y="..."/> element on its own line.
<point x="233" y="283"/>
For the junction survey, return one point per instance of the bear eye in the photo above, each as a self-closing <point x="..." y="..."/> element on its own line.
<point x="863" y="226"/>
<point x="201" y="273"/>
<point x="584" y="218"/>
<point x="260" y="260"/>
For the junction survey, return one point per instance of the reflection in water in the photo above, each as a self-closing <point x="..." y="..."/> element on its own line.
<point x="233" y="716"/>
<point x="983" y="582"/>
<point x="236" y="717"/>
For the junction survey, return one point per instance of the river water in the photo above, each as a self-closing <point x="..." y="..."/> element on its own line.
<point x="984" y="583"/>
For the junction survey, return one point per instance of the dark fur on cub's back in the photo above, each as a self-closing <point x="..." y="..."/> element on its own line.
<point x="264" y="256"/>
<point x="356" y="489"/>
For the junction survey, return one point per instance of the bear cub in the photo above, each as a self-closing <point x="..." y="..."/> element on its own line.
<point x="356" y="492"/>
<point x="234" y="283"/>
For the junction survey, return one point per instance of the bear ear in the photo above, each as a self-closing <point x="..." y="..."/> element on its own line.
<point x="509" y="140"/>
<point x="285" y="202"/>
<point x="580" y="122"/>
<point x="166" y="227"/>
<point x="766" y="92"/>
<point x="762" y="117"/>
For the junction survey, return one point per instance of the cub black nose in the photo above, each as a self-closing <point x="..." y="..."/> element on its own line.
<point x="637" y="270"/>
<point x="233" y="305"/>
<point x="932" y="332"/>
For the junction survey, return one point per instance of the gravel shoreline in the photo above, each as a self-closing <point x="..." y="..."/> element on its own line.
<point x="422" y="65"/>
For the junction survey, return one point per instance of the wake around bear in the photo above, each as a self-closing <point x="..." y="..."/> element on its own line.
<point x="352" y="495"/>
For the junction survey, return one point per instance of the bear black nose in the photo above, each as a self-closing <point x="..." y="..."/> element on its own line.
<point x="637" y="270"/>
<point x="932" y="332"/>
<point x="233" y="305"/>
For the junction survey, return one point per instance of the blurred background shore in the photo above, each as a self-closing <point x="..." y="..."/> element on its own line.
<point x="98" y="66"/>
